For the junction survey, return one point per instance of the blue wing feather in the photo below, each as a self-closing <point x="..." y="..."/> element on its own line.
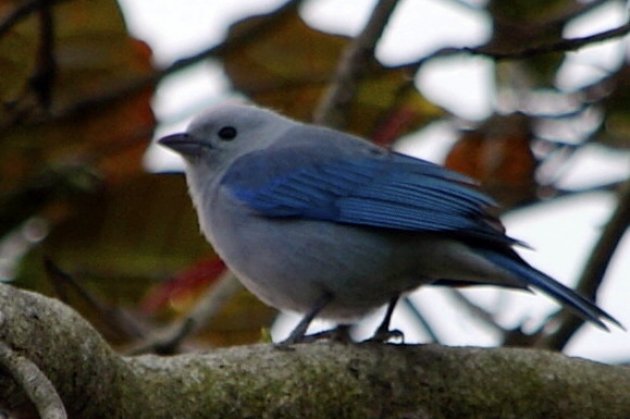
<point x="362" y="185"/>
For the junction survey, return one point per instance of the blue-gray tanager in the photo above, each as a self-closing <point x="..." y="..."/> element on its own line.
<point x="329" y="225"/>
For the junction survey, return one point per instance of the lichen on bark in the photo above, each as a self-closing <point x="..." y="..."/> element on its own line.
<point x="313" y="380"/>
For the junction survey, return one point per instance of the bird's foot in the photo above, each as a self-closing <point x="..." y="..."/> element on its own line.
<point x="383" y="336"/>
<point x="340" y="334"/>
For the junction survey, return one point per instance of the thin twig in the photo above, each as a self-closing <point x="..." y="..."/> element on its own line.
<point x="113" y="317"/>
<point x="206" y="308"/>
<point x="42" y="81"/>
<point x="354" y="63"/>
<point x="476" y="311"/>
<point x="250" y="34"/>
<point x="169" y="344"/>
<point x="595" y="269"/>
<point x="551" y="192"/>
<point x="39" y="389"/>
<point x="20" y="13"/>
<point x="563" y="45"/>
<point x="420" y="318"/>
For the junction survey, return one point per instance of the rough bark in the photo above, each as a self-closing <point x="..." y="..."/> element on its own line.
<point x="316" y="380"/>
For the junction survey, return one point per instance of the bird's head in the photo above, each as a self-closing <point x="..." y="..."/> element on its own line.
<point x="220" y="135"/>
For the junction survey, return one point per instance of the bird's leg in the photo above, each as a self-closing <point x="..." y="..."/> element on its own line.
<point x="299" y="332"/>
<point x="383" y="333"/>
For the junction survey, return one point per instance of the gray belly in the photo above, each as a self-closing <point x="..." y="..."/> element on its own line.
<point x="291" y="263"/>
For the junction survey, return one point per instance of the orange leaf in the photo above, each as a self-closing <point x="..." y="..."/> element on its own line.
<point x="189" y="281"/>
<point x="498" y="154"/>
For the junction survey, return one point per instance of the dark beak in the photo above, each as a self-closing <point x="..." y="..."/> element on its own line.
<point x="181" y="143"/>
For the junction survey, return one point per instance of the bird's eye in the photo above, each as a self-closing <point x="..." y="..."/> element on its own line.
<point x="227" y="133"/>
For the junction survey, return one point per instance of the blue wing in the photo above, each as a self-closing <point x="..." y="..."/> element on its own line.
<point x="357" y="183"/>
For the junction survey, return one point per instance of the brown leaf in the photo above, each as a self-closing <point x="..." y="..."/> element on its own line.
<point x="140" y="227"/>
<point x="289" y="66"/>
<point x="122" y="238"/>
<point x="93" y="54"/>
<point x="498" y="154"/>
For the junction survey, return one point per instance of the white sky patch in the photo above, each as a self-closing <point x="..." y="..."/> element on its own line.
<point x="432" y="143"/>
<point x="418" y="28"/>
<point x="463" y="85"/>
<point x="178" y="28"/>
<point x="415" y="29"/>
<point x="594" y="165"/>
<point x="340" y="17"/>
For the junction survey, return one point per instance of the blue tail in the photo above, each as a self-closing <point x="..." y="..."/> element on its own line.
<point x="543" y="282"/>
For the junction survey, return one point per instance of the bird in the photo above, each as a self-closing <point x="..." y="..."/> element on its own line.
<point x="332" y="226"/>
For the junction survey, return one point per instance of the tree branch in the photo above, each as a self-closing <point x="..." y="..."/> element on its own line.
<point x="354" y="63"/>
<point x="42" y="81"/>
<point x="313" y="380"/>
<point x="34" y="383"/>
<point x="564" y="45"/>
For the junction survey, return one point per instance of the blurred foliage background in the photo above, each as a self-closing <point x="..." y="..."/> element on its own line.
<point x="83" y="220"/>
